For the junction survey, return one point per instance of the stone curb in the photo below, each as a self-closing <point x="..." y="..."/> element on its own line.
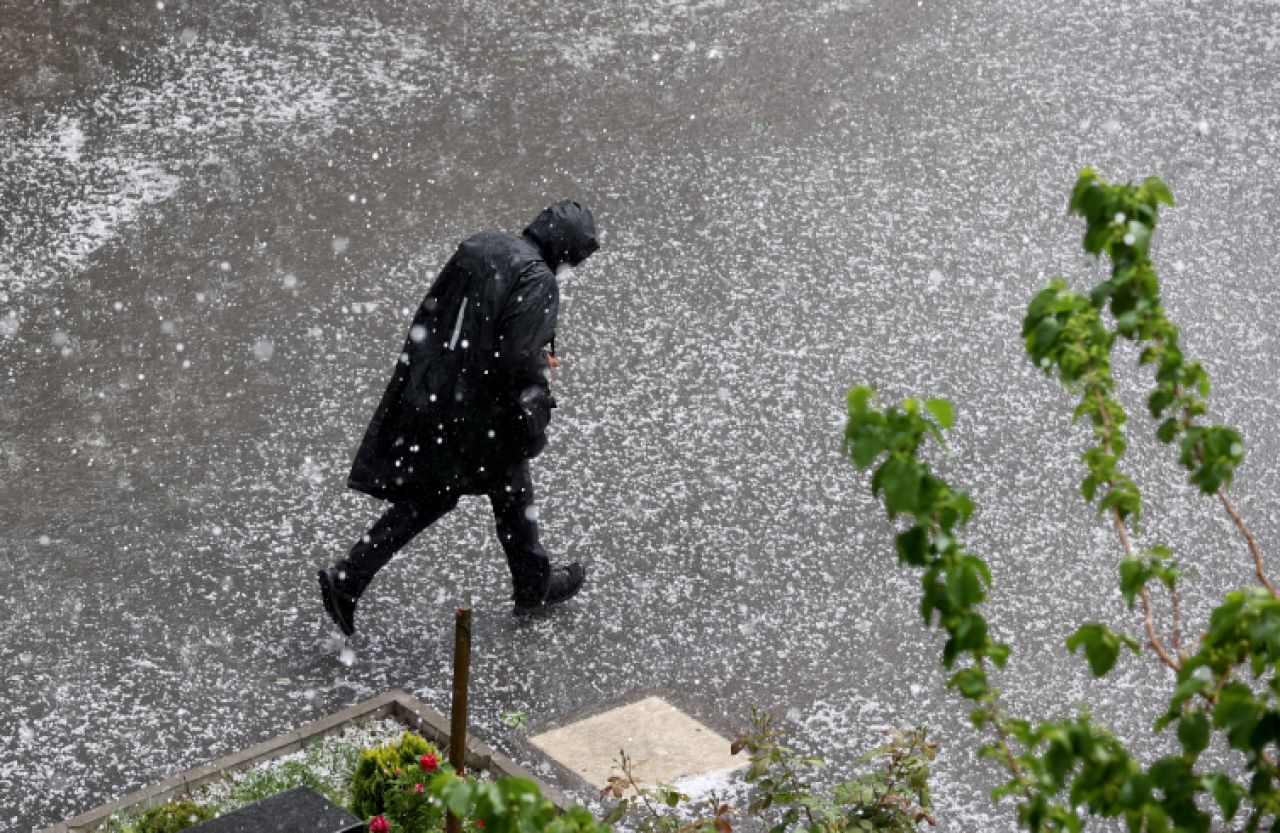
<point x="396" y="705"/>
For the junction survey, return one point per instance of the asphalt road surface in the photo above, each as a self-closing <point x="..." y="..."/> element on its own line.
<point x="214" y="224"/>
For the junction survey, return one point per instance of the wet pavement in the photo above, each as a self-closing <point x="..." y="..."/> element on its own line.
<point x="214" y="223"/>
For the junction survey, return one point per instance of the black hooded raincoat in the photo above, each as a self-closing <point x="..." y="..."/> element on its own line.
<point x="470" y="393"/>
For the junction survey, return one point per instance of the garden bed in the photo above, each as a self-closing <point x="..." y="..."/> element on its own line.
<point x="397" y="707"/>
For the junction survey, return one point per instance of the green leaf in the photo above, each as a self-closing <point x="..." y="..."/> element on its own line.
<point x="1224" y="791"/>
<point x="942" y="411"/>
<point x="971" y="632"/>
<point x="964" y="586"/>
<point x="1101" y="646"/>
<point x="913" y="546"/>
<point x="1160" y="399"/>
<point x="457" y="795"/>
<point x="1193" y="732"/>
<point x="1135" y="572"/>
<point x="1158" y="190"/>
<point x="858" y="398"/>
<point x="901" y="480"/>
<point x="999" y="654"/>
<point x="971" y="682"/>
<point x="1238" y="713"/>
<point x="1138" y="236"/>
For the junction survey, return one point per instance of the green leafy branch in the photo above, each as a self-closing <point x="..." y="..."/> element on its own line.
<point x="1063" y="330"/>
<point x="1228" y="683"/>
<point x="953" y="581"/>
<point x="1075" y="756"/>
<point x="1120" y="222"/>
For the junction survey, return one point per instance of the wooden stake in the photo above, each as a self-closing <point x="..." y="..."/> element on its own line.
<point x="458" y="713"/>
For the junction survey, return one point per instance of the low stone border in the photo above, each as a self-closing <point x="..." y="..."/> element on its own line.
<point x="394" y="705"/>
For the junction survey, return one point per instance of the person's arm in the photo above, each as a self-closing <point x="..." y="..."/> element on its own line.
<point x="525" y="327"/>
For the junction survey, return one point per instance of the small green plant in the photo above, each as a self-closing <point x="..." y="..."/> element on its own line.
<point x="516" y="719"/>
<point x="379" y="767"/>
<point x="173" y="816"/>
<point x="655" y="805"/>
<point x="257" y="785"/>
<point x="892" y="796"/>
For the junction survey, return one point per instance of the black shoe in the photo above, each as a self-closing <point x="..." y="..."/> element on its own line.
<point x="564" y="583"/>
<point x="339" y="604"/>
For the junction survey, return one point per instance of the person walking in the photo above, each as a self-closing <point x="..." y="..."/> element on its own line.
<point x="468" y="406"/>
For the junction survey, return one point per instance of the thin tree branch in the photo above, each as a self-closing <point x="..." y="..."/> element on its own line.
<point x="1176" y="636"/>
<point x="1123" y="534"/>
<point x="1250" y="540"/>
<point x="1002" y="734"/>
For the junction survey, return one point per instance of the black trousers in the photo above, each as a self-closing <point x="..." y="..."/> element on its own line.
<point x="513" y="512"/>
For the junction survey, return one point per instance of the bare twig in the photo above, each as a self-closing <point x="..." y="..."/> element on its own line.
<point x="1250" y="540"/>
<point x="1149" y="625"/>
<point x="1176" y="636"/>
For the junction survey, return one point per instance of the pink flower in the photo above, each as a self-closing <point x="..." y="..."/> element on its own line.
<point x="418" y="787"/>
<point x="378" y="824"/>
<point x="429" y="762"/>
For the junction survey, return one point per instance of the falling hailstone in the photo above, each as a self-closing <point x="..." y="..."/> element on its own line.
<point x="263" y="349"/>
<point x="347" y="657"/>
<point x="188" y="37"/>
<point x="290" y="281"/>
<point x="9" y="325"/>
<point x="340" y="244"/>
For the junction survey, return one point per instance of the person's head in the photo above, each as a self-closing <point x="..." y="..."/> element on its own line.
<point x="565" y="233"/>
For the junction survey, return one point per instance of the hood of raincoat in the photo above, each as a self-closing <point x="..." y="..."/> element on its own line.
<point x="565" y="232"/>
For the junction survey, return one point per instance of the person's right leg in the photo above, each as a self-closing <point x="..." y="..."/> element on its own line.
<point x="342" y="584"/>
<point x="535" y="582"/>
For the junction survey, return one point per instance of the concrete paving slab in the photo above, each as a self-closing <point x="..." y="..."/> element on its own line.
<point x="664" y="743"/>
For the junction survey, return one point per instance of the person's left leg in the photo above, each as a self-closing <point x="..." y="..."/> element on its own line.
<point x="342" y="584"/>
